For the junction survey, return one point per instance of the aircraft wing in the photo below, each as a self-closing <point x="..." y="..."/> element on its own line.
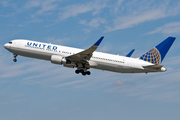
<point x="86" y="54"/>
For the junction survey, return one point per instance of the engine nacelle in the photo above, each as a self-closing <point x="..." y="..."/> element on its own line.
<point x="56" y="59"/>
<point x="93" y="64"/>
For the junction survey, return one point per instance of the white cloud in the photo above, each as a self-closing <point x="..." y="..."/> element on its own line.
<point x="139" y="12"/>
<point x="57" y="40"/>
<point x="118" y="83"/>
<point x="105" y="48"/>
<point x="4" y="3"/>
<point x="119" y="2"/>
<point x="163" y="96"/>
<point x="74" y="10"/>
<point x="173" y="61"/>
<point x="117" y="15"/>
<point x="10" y="102"/>
<point x="131" y="20"/>
<point x="87" y="30"/>
<point x="161" y="87"/>
<point x="8" y="4"/>
<point x="69" y="83"/>
<point x="18" y="69"/>
<point x="44" y="5"/>
<point x="169" y="28"/>
<point x="32" y="4"/>
<point x="34" y="20"/>
<point x="95" y="23"/>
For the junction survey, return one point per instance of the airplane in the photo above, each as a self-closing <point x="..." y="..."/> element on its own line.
<point x="89" y="58"/>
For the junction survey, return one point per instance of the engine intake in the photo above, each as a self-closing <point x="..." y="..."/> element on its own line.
<point x="56" y="59"/>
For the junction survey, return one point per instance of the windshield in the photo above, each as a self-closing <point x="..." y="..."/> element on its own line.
<point x="10" y="42"/>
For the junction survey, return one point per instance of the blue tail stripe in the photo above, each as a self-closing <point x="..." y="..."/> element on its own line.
<point x="149" y="57"/>
<point x="155" y="60"/>
<point x="145" y="57"/>
<point x="164" y="46"/>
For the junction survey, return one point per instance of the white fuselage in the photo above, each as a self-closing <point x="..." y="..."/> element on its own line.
<point x="102" y="61"/>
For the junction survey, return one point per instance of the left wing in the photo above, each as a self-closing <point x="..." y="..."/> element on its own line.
<point x="86" y="54"/>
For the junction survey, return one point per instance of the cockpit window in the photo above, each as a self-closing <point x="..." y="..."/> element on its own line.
<point x="10" y="42"/>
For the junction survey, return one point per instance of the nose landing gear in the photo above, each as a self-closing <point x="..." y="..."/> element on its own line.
<point x="15" y="60"/>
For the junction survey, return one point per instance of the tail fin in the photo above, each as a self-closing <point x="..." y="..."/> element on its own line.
<point x="157" y="54"/>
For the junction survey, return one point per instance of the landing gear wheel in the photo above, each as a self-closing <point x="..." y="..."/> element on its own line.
<point x="77" y="71"/>
<point x="15" y="60"/>
<point x="88" y="72"/>
<point x="84" y="73"/>
<point x="81" y="71"/>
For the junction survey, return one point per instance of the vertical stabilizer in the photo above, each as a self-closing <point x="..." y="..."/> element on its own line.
<point x="157" y="54"/>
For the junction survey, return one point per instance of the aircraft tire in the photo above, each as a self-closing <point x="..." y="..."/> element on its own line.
<point x="77" y="71"/>
<point x="83" y="73"/>
<point x="15" y="60"/>
<point x="88" y="72"/>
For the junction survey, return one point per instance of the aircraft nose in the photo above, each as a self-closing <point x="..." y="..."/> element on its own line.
<point x="6" y="45"/>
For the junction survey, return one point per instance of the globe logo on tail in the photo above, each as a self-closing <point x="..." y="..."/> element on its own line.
<point x="153" y="56"/>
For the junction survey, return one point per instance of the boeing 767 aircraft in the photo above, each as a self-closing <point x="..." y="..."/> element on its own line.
<point x="86" y="59"/>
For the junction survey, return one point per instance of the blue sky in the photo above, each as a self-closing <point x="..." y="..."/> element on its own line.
<point x="36" y="89"/>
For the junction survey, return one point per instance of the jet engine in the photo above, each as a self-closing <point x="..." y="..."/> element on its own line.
<point x="56" y="59"/>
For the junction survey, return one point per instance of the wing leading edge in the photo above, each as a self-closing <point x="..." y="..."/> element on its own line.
<point x="86" y="54"/>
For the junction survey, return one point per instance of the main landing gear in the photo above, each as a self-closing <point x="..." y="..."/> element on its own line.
<point x="83" y="72"/>
<point x="15" y="60"/>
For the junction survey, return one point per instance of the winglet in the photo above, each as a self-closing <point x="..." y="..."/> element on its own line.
<point x="99" y="41"/>
<point x="130" y="53"/>
<point x="85" y="54"/>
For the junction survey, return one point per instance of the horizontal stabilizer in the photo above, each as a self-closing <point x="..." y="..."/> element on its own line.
<point x="153" y="66"/>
